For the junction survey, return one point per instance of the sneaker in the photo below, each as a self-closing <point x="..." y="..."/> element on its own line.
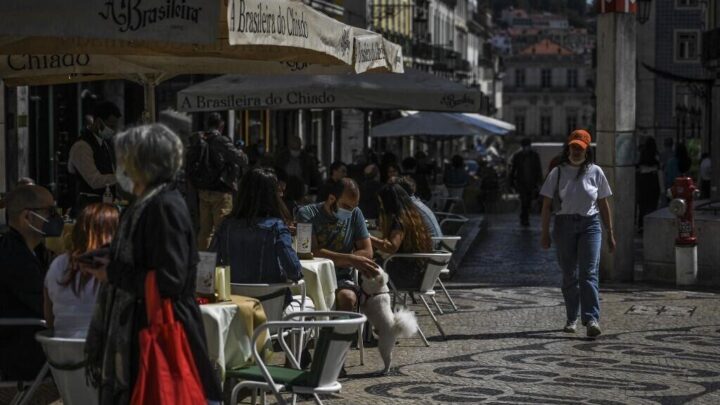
<point x="570" y="326"/>
<point x="593" y="329"/>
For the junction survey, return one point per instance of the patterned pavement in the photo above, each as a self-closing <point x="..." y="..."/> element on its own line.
<point x="504" y="346"/>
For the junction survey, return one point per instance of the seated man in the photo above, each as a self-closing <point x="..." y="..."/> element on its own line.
<point x="23" y="262"/>
<point x="340" y="234"/>
<point x="428" y="217"/>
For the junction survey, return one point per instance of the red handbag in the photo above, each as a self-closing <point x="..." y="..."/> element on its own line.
<point x="167" y="372"/>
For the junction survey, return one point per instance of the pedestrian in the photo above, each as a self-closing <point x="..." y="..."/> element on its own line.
<point x="582" y="191"/>
<point x="300" y="167"/>
<point x="705" y="175"/>
<point x="649" y="180"/>
<point x="255" y="239"/>
<point x="455" y="179"/>
<point x="155" y="233"/>
<point x="678" y="165"/>
<point x="214" y="167"/>
<point x="403" y="231"/>
<point x="410" y="167"/>
<point x="526" y="177"/>
<point x="338" y="171"/>
<point x="91" y="161"/>
<point x="369" y="187"/>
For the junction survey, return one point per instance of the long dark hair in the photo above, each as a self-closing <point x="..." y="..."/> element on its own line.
<point x="259" y="197"/>
<point x="397" y="205"/>
<point x="649" y="153"/>
<point x="565" y="159"/>
<point x="95" y="227"/>
<point x="683" y="158"/>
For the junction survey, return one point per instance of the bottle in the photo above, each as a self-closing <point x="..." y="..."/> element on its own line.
<point x="107" y="197"/>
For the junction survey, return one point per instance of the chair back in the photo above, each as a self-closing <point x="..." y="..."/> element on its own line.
<point x="67" y="364"/>
<point x="433" y="268"/>
<point x="271" y="296"/>
<point x="331" y="348"/>
<point x="446" y="243"/>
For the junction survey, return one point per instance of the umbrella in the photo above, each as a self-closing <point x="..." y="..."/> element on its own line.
<point x="425" y="124"/>
<point x="412" y="90"/>
<point x="61" y="41"/>
<point x="437" y="124"/>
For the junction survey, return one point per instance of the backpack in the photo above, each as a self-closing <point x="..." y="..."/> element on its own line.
<point x="202" y="170"/>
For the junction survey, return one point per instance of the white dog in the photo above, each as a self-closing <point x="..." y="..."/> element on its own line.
<point x="389" y="325"/>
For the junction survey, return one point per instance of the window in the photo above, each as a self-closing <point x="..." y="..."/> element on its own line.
<point x="684" y="96"/>
<point x="571" y="121"/>
<point x="520" y="122"/>
<point x="519" y="77"/>
<point x="545" y="124"/>
<point x="572" y="78"/>
<point x="687" y="3"/>
<point x="687" y="47"/>
<point x="546" y="78"/>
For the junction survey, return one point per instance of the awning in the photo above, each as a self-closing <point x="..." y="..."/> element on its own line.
<point x="414" y="90"/>
<point x="441" y="125"/>
<point x="268" y="30"/>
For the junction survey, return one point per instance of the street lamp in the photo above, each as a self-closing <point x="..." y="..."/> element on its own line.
<point x="643" y="11"/>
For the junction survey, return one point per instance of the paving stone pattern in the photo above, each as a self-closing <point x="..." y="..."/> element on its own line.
<point x="659" y="346"/>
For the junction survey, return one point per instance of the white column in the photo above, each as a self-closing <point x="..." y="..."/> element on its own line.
<point x="615" y="90"/>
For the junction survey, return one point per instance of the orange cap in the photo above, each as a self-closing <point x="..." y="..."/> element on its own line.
<point x="580" y="137"/>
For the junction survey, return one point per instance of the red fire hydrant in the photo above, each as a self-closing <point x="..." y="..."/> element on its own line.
<point x="683" y="192"/>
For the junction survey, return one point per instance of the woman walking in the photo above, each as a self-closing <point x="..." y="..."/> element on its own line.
<point x="582" y="191"/>
<point x="155" y="233"/>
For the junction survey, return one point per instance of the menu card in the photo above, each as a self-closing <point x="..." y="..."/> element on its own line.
<point x="205" y="281"/>
<point x="303" y="240"/>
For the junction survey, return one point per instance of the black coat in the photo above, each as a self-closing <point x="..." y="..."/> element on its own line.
<point x="164" y="241"/>
<point x="22" y="274"/>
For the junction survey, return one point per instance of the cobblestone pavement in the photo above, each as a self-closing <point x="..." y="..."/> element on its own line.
<point x="504" y="346"/>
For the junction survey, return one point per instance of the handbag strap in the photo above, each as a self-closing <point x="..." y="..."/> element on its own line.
<point x="159" y="311"/>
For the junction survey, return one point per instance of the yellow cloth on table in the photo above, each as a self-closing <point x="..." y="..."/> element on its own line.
<point x="251" y="312"/>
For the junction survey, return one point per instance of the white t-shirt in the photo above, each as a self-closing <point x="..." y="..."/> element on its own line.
<point x="72" y="312"/>
<point x="578" y="195"/>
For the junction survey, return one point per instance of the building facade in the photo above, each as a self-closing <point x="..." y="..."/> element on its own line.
<point x="547" y="91"/>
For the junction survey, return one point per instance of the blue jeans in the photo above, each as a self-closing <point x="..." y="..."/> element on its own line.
<point x="577" y="242"/>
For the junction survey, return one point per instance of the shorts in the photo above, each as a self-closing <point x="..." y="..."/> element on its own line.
<point x="346" y="281"/>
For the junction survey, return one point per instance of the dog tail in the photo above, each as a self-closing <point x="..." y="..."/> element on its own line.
<point x="405" y="324"/>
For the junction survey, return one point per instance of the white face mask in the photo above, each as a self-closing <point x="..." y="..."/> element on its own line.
<point x="106" y="133"/>
<point x="123" y="180"/>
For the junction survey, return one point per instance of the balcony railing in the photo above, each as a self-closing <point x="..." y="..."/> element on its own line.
<point x="327" y="7"/>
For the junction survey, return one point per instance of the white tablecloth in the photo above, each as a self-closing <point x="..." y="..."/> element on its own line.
<point x="320" y="282"/>
<point x="228" y="328"/>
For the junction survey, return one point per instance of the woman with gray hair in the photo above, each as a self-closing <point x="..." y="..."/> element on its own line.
<point x="155" y="233"/>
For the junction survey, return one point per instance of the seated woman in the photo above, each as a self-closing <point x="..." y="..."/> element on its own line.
<point x="403" y="231"/>
<point x="254" y="239"/>
<point x="70" y="293"/>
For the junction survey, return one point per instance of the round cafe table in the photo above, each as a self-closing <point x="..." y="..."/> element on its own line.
<point x="229" y="327"/>
<point x="320" y="282"/>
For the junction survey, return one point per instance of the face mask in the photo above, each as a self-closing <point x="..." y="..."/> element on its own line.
<point x="123" y="180"/>
<point x="52" y="227"/>
<point x="294" y="153"/>
<point x="342" y="214"/>
<point x="106" y="133"/>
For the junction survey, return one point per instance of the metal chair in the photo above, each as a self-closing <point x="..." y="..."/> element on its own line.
<point x="66" y="358"/>
<point x="333" y="343"/>
<point x="448" y="244"/>
<point x="272" y="299"/>
<point x="450" y="223"/>
<point x="436" y="262"/>
<point x="25" y="392"/>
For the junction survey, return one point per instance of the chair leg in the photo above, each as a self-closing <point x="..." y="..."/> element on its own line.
<point x="440" y="311"/>
<point x="317" y="399"/>
<point x="447" y="295"/>
<point x="35" y="385"/>
<point x="422" y="336"/>
<point x="434" y="318"/>
<point x="361" y="344"/>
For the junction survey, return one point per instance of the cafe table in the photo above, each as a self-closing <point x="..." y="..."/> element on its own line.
<point x="229" y="327"/>
<point x="320" y="282"/>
